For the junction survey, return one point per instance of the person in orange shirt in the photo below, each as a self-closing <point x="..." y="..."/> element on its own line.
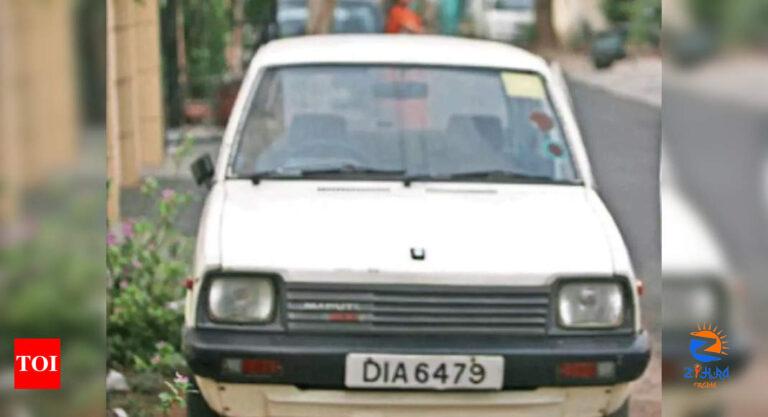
<point x="402" y="19"/>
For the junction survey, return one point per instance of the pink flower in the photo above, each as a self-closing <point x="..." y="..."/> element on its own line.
<point x="181" y="379"/>
<point x="136" y="263"/>
<point x="168" y="194"/>
<point x="155" y="360"/>
<point x="128" y="229"/>
<point x="111" y="239"/>
<point x="123" y="284"/>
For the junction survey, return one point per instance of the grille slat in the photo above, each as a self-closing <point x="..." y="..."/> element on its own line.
<point x="415" y="309"/>
<point x="369" y="318"/>
<point x="361" y="297"/>
<point x="411" y="309"/>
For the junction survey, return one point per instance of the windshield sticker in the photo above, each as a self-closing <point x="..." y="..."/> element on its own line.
<point x="542" y="121"/>
<point x="554" y="150"/>
<point x="523" y="85"/>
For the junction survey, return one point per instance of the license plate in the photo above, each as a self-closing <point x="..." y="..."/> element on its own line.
<point x="428" y="372"/>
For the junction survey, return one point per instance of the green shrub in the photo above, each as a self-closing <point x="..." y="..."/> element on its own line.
<point x="618" y="11"/>
<point x="147" y="263"/>
<point x="640" y="18"/>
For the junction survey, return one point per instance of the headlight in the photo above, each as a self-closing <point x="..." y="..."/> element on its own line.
<point x="241" y="299"/>
<point x="591" y="305"/>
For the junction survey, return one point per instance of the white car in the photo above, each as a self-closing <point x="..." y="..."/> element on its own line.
<point x="503" y="20"/>
<point x="407" y="224"/>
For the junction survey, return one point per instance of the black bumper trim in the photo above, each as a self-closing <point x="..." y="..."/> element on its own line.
<point x="312" y="361"/>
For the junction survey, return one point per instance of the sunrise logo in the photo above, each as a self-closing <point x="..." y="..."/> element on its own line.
<point x="708" y="344"/>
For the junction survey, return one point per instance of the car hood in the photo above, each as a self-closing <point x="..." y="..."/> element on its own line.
<point x="355" y="231"/>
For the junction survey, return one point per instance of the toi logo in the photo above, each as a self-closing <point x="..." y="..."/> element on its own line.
<point x="37" y="364"/>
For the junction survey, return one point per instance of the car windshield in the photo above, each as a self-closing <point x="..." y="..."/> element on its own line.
<point x="515" y="4"/>
<point x="348" y="17"/>
<point x="362" y="121"/>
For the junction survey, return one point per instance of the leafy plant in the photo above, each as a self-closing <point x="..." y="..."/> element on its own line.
<point x="640" y="18"/>
<point x="206" y="49"/>
<point x="175" y="395"/>
<point x="618" y="11"/>
<point x="147" y="262"/>
<point x="165" y="361"/>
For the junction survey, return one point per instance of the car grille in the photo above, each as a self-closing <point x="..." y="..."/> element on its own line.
<point x="416" y="309"/>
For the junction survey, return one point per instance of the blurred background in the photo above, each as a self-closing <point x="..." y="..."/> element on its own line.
<point x="715" y="198"/>
<point x="104" y="103"/>
<point x="52" y="197"/>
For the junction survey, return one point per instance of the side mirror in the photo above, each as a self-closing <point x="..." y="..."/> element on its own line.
<point x="203" y="170"/>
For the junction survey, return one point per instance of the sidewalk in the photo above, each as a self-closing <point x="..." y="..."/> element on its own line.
<point x="634" y="78"/>
<point x="180" y="154"/>
<point x="175" y="174"/>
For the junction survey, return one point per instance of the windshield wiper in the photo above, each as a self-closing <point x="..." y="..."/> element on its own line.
<point x="351" y="170"/>
<point x="498" y="175"/>
<point x="320" y="172"/>
<point x="256" y="177"/>
<point x="508" y="175"/>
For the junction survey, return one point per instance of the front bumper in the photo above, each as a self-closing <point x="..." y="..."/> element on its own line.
<point x="257" y="400"/>
<point x="318" y="361"/>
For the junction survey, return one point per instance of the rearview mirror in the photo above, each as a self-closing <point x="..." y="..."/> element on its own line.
<point x="203" y="170"/>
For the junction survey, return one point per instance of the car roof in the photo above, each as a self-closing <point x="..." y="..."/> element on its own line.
<point x="397" y="49"/>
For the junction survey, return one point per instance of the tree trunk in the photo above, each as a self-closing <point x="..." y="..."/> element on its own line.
<point x="181" y="55"/>
<point x="545" y="31"/>
<point x="236" y="40"/>
<point x="9" y="123"/>
<point x="320" y="16"/>
<point x="113" y="124"/>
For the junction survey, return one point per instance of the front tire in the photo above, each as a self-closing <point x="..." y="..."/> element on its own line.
<point x="196" y="405"/>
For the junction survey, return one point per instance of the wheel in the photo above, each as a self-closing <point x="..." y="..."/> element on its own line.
<point x="623" y="411"/>
<point x="196" y="405"/>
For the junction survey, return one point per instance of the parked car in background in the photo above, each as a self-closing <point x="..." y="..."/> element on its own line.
<point x="608" y="47"/>
<point x="290" y="19"/>
<point x="504" y="20"/>
<point x="349" y="16"/>
<point x="407" y="224"/>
